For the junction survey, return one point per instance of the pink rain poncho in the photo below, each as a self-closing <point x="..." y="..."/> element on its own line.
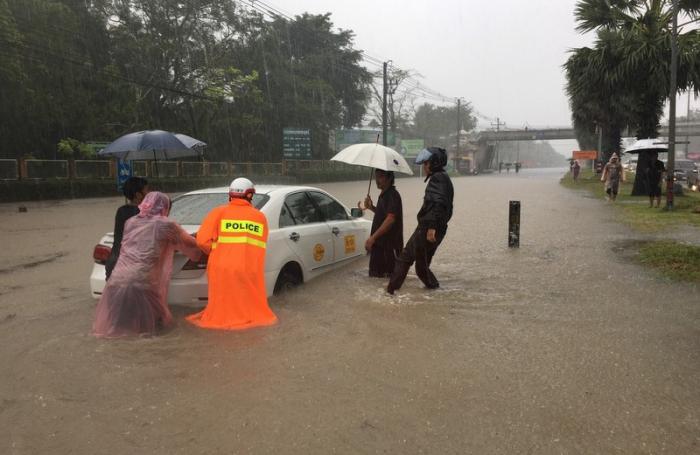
<point x="134" y="301"/>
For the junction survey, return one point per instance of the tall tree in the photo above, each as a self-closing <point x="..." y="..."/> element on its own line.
<point x="625" y="79"/>
<point x="311" y="78"/>
<point x="435" y="124"/>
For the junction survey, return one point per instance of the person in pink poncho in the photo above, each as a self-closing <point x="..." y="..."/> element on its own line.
<point x="134" y="300"/>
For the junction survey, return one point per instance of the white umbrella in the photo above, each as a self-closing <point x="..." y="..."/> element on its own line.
<point x="657" y="144"/>
<point x="375" y="156"/>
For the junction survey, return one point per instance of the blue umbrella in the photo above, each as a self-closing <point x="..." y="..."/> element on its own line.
<point x="153" y="145"/>
<point x="191" y="142"/>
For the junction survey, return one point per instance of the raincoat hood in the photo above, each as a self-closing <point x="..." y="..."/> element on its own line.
<point x="154" y="204"/>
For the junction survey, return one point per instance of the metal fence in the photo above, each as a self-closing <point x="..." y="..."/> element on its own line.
<point x="106" y="169"/>
<point x="8" y="170"/>
<point x="218" y="169"/>
<point x="139" y="168"/>
<point x="164" y="169"/>
<point x="94" y="169"/>
<point x="47" y="169"/>
<point x="193" y="169"/>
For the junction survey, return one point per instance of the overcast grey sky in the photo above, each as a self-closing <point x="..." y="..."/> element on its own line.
<point x="504" y="56"/>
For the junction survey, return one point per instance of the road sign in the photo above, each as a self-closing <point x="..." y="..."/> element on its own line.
<point x="585" y="155"/>
<point x="123" y="173"/>
<point x="345" y="138"/>
<point x="296" y="144"/>
<point x="410" y="148"/>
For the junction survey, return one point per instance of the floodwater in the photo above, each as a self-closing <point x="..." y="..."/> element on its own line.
<point x="564" y="345"/>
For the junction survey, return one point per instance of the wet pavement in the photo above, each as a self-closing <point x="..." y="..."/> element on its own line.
<point x="564" y="345"/>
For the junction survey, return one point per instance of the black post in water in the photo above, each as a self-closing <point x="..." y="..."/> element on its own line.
<point x="514" y="225"/>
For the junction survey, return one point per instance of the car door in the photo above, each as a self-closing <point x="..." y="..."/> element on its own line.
<point x="348" y="235"/>
<point x="306" y="232"/>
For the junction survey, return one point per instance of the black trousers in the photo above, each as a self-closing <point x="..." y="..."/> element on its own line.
<point x="420" y="251"/>
<point x="382" y="260"/>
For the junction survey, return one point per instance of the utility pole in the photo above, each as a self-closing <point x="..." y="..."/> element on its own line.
<point x="498" y="129"/>
<point x="384" y="119"/>
<point x="687" y="127"/>
<point x="672" y="108"/>
<point x="599" y="129"/>
<point x="459" y="128"/>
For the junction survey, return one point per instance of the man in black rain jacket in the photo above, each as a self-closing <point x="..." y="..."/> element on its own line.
<point x="432" y="222"/>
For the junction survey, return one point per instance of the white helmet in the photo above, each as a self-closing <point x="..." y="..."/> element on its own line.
<point x="240" y="188"/>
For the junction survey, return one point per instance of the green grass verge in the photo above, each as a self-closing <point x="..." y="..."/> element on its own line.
<point x="634" y="210"/>
<point x="677" y="261"/>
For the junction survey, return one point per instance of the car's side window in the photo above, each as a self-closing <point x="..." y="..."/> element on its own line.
<point x="330" y="208"/>
<point x="302" y="209"/>
<point x="286" y="218"/>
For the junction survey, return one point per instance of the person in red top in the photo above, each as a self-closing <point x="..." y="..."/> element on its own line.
<point x="235" y="237"/>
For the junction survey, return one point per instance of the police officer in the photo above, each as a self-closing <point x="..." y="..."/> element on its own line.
<point x="235" y="237"/>
<point x="432" y="221"/>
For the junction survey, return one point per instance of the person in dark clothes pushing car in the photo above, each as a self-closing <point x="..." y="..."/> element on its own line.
<point x="386" y="239"/>
<point x="432" y="222"/>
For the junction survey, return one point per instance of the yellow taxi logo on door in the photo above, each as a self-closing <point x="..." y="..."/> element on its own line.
<point x="319" y="251"/>
<point x="349" y="244"/>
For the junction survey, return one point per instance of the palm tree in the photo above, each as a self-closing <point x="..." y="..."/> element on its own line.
<point x="631" y="62"/>
<point x="594" y="103"/>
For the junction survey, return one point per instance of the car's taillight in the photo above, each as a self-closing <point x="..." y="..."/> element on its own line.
<point x="197" y="265"/>
<point x="101" y="253"/>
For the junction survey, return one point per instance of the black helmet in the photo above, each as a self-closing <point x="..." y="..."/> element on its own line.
<point x="435" y="156"/>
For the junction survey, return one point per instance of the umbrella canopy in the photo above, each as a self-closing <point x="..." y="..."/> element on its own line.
<point x="190" y="141"/>
<point x="375" y="156"/>
<point x="152" y="145"/>
<point x="647" y="145"/>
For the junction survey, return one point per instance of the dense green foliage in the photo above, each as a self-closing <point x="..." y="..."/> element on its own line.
<point x="92" y="70"/>
<point x="624" y="80"/>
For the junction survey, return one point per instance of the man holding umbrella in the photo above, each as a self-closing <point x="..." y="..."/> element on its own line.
<point x="386" y="239"/>
<point x="432" y="221"/>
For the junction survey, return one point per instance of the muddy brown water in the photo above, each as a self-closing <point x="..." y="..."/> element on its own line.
<point x="562" y="346"/>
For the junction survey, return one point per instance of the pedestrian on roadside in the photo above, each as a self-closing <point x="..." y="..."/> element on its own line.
<point x="134" y="300"/>
<point x="386" y="237"/>
<point x="655" y="174"/>
<point x="575" y="170"/>
<point x="432" y="222"/>
<point x="613" y="174"/>
<point x="235" y="237"/>
<point x="134" y="189"/>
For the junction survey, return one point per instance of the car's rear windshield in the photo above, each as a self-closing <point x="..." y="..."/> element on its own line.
<point x="192" y="208"/>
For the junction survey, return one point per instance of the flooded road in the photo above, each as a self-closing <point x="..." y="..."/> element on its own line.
<point x="562" y="346"/>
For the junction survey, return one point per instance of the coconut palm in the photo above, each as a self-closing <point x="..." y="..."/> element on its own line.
<point x="594" y="102"/>
<point x="627" y="73"/>
<point x="637" y="34"/>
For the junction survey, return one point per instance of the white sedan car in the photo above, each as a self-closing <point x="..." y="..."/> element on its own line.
<point x="310" y="233"/>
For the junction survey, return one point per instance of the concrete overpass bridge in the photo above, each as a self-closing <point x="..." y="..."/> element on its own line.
<point x="486" y="139"/>
<point x="552" y="134"/>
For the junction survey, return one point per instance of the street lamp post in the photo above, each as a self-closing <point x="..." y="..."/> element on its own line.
<point x="672" y="108"/>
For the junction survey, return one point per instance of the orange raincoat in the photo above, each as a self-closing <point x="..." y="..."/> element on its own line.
<point x="235" y="236"/>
